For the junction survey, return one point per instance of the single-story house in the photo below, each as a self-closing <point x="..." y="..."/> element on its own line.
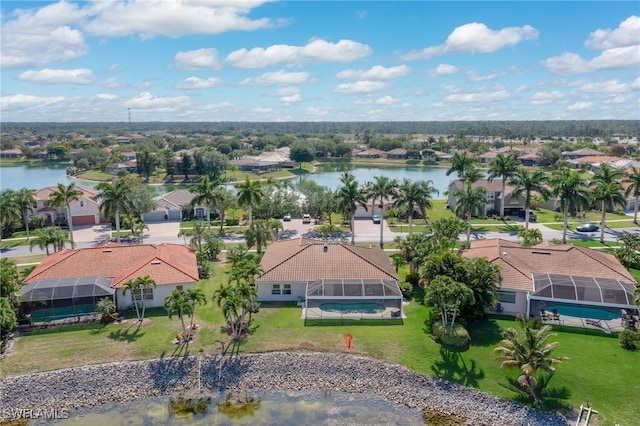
<point x="550" y="273"/>
<point x="397" y="154"/>
<point x="584" y="152"/>
<point x="315" y="272"/>
<point x="169" y="207"/>
<point x="268" y="161"/>
<point x="11" y="153"/>
<point x="529" y="159"/>
<point x="370" y="153"/>
<point x="84" y="211"/>
<point x="70" y="282"/>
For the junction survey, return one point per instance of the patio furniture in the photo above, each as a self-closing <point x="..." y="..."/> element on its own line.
<point x="555" y="315"/>
<point x="544" y="315"/>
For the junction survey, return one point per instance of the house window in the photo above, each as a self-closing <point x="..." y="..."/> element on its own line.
<point x="179" y="287"/>
<point x="506" y="296"/>
<point x="275" y="289"/>
<point x="147" y="293"/>
<point x="81" y="203"/>
<point x="286" y="289"/>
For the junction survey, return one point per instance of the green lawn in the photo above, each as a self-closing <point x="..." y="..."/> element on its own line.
<point x="600" y="372"/>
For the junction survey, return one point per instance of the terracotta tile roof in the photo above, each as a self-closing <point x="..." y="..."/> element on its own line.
<point x="517" y="263"/>
<point x="165" y="263"/>
<point x="305" y="260"/>
<point x="44" y="193"/>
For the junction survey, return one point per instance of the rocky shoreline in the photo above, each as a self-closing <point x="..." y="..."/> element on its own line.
<point x="93" y="385"/>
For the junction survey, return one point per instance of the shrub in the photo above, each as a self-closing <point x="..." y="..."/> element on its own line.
<point x="507" y="218"/>
<point x="436" y="418"/>
<point x="629" y="340"/>
<point x="231" y="222"/>
<point x="429" y="162"/>
<point x="412" y="278"/>
<point x="457" y="335"/>
<point x="406" y="288"/>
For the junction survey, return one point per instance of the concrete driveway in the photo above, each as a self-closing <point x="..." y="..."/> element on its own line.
<point x="96" y="234"/>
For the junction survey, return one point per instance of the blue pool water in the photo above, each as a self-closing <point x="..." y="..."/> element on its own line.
<point x="583" y="312"/>
<point x="352" y="308"/>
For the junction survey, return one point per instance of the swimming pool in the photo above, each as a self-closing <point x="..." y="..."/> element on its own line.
<point x="353" y="308"/>
<point x="583" y="312"/>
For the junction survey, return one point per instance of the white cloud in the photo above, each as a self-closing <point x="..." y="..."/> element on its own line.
<point x="444" y="69"/>
<point x="493" y="96"/>
<point x="627" y="34"/>
<point x="567" y="63"/>
<point x="277" y="78"/>
<point x="377" y="72"/>
<point x="21" y="101"/>
<point x="571" y="63"/>
<point x="580" y="106"/>
<point x="316" y="51"/>
<point x="112" y="83"/>
<point x="364" y="86"/>
<point x="473" y="77"/>
<point x="263" y="110"/>
<point x="199" y="83"/>
<point x="544" y="98"/>
<point x="476" y="37"/>
<point x="387" y="100"/>
<point x="287" y="91"/>
<point x="146" y="100"/>
<point x="173" y="18"/>
<point x="51" y="76"/>
<point x="106" y="96"/>
<point x="609" y="86"/>
<point x="199" y="59"/>
<point x="290" y="99"/>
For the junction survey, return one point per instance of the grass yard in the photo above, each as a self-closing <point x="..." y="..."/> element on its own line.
<point x="600" y="372"/>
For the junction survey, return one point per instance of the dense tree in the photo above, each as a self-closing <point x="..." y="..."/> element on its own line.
<point x="62" y="197"/>
<point x="528" y="182"/>
<point x="448" y="297"/>
<point x="9" y="209"/>
<point x="570" y="188"/>
<point x="114" y="198"/>
<point x="146" y="162"/>
<point x="302" y="152"/>
<point x="206" y="194"/>
<point x="505" y="167"/>
<point x="236" y="301"/>
<point x="608" y="191"/>
<point x="633" y="179"/>
<point x="169" y="162"/>
<point x="185" y="165"/>
<point x="629" y="251"/>
<point x="25" y="201"/>
<point x="258" y="234"/>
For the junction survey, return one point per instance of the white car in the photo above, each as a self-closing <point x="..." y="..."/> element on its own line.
<point x="306" y="218"/>
<point x="376" y="218"/>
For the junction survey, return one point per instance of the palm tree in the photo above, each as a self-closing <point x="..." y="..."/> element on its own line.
<point x="249" y="194"/>
<point x="258" y="234"/>
<point x="138" y="228"/>
<point x="106" y="307"/>
<point x="195" y="297"/>
<point x="52" y="236"/>
<point x="569" y="187"/>
<point x="138" y="287"/>
<point x="25" y="200"/>
<point x="177" y="304"/>
<point x="350" y="196"/>
<point x="531" y="237"/>
<point x="527" y="182"/>
<point x="206" y="195"/>
<point x="460" y="163"/>
<point x="468" y="201"/>
<point x="381" y="188"/>
<point x="9" y="210"/>
<point x="415" y="194"/>
<point x="114" y="199"/>
<point x="530" y="352"/>
<point x="633" y="179"/>
<point x="236" y="302"/>
<point x="62" y="197"/>
<point x="608" y="191"/>
<point x="196" y="232"/>
<point x="504" y="167"/>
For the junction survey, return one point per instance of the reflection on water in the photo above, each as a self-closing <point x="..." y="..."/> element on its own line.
<point x="265" y="407"/>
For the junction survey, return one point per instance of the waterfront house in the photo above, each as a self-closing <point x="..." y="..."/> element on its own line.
<point x="84" y="211"/>
<point x="512" y="204"/>
<point x="170" y="207"/>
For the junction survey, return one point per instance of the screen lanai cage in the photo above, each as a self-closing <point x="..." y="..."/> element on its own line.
<point x="64" y="298"/>
<point x="353" y="299"/>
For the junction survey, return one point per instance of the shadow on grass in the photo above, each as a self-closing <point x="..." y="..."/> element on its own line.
<point x="453" y="367"/>
<point x="485" y="332"/>
<point x="129" y="335"/>
<point x="554" y="398"/>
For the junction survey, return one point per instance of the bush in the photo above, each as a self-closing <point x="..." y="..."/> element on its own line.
<point x="436" y="418"/>
<point x="412" y="278"/>
<point x="507" y="218"/>
<point x="629" y="340"/>
<point x="406" y="288"/>
<point x="457" y="335"/>
<point x="231" y="222"/>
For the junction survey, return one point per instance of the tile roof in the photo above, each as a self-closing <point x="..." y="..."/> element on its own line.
<point x="494" y="185"/>
<point x="165" y="263"/>
<point x="45" y="193"/>
<point x="306" y="260"/>
<point x="517" y="263"/>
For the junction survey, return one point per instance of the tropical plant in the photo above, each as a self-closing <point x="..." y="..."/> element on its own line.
<point x="446" y="231"/>
<point x="412" y="195"/>
<point x="8" y="318"/>
<point x="258" y="234"/>
<point x="9" y="210"/>
<point x="114" y="199"/>
<point x="106" y="308"/>
<point x="196" y="232"/>
<point x="178" y="304"/>
<point x="531" y="237"/>
<point x="505" y="167"/>
<point x="381" y="189"/>
<point x="62" y="197"/>
<point x="350" y="195"/>
<point x="138" y="228"/>
<point x="249" y="194"/>
<point x="195" y="297"/>
<point x="25" y="201"/>
<point x="570" y="188"/>
<point x="236" y="301"/>
<point x="448" y="297"/>
<point x="629" y="251"/>
<point x="633" y="179"/>
<point x="460" y="163"/>
<point x="528" y="183"/>
<point x="530" y="352"/>
<point x="608" y="191"/>
<point x="53" y="236"/>
<point x="468" y="201"/>
<point x="235" y="254"/>
<point x="206" y="194"/>
<point x="138" y="288"/>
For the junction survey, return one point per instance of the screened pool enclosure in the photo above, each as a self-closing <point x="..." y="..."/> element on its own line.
<point x="59" y="299"/>
<point x="353" y="299"/>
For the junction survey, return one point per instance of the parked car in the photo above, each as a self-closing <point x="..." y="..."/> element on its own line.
<point x="532" y="215"/>
<point x="376" y="218"/>
<point x="286" y="217"/>
<point x="306" y="218"/>
<point x="587" y="227"/>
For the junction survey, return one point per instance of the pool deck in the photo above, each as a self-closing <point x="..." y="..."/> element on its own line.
<point x="610" y="326"/>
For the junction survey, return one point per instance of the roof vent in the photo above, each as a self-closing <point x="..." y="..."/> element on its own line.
<point x="540" y="252"/>
<point x="107" y="250"/>
<point x="325" y="248"/>
<point x="156" y="262"/>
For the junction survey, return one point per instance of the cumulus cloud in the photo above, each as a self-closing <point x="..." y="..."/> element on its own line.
<point x="387" y="100"/>
<point x="199" y="59"/>
<point x="627" y="34"/>
<point x="364" y="86"/>
<point x="580" y="106"/>
<point x="316" y="51"/>
<point x="290" y="99"/>
<point x="377" y="72"/>
<point x="199" y="83"/>
<point x="443" y="69"/>
<point x="288" y="95"/>
<point x="51" y="76"/>
<point x="492" y="96"/>
<point x="106" y="96"/>
<point x="22" y="101"/>
<point x="473" y="77"/>
<point x="544" y="98"/>
<point x="277" y="78"/>
<point x="112" y="83"/>
<point x="476" y="37"/>
<point x="146" y="100"/>
<point x="608" y="86"/>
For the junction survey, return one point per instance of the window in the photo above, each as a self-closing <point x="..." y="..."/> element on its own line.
<point x="275" y="289"/>
<point x="147" y="294"/>
<point x="286" y="289"/>
<point x="506" y="296"/>
<point x="179" y="287"/>
<point x="81" y="203"/>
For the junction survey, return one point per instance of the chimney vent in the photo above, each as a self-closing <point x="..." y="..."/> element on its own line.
<point x="325" y="248"/>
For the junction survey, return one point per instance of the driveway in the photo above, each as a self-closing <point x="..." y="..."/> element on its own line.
<point x="95" y="234"/>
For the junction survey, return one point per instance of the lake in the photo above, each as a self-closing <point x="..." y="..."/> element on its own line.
<point x="35" y="177"/>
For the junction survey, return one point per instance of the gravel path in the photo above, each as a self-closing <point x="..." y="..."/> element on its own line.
<point x="122" y="381"/>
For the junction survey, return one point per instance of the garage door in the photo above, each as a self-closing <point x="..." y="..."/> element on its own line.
<point x="84" y="220"/>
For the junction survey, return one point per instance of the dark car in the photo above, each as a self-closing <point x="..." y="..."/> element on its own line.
<point x="532" y="215"/>
<point x="587" y="227"/>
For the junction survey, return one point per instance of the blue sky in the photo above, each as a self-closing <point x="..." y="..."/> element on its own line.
<point x="254" y="60"/>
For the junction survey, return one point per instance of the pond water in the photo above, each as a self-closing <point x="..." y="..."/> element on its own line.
<point x="257" y="407"/>
<point x="35" y="177"/>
